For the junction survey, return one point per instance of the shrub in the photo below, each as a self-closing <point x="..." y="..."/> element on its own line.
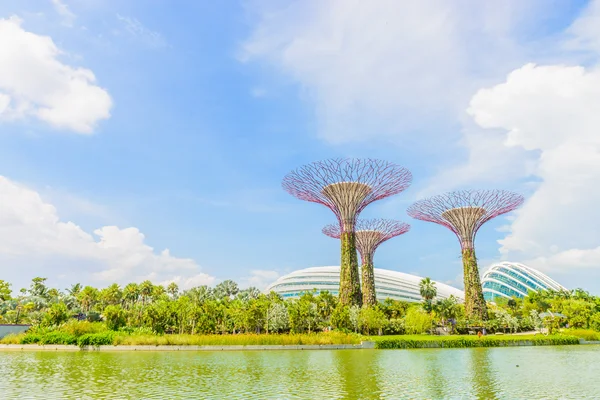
<point x="416" y="321"/>
<point x="595" y="322"/>
<point x="57" y="337"/>
<point x="472" y="341"/>
<point x="56" y="314"/>
<point x="585" y="334"/>
<point x="394" y="327"/>
<point x="79" y="328"/>
<point x="31" y="338"/>
<point x="96" y="339"/>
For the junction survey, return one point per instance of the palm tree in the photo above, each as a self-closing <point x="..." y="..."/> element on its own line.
<point x="146" y="289"/>
<point x="226" y="289"/>
<point x="131" y="293"/>
<point x="75" y="289"/>
<point x="428" y="292"/>
<point x="173" y="289"/>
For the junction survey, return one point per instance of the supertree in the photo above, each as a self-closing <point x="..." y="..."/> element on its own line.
<point x="346" y="187"/>
<point x="370" y="233"/>
<point x="464" y="212"/>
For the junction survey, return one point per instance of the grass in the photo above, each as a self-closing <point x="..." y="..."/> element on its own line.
<point x="239" y="340"/>
<point x="460" y="341"/>
<point x="585" y="334"/>
<point x="115" y="338"/>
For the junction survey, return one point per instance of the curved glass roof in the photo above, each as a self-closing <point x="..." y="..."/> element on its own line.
<point x="388" y="284"/>
<point x="508" y="279"/>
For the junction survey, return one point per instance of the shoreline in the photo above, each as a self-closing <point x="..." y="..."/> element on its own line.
<point x="365" y="345"/>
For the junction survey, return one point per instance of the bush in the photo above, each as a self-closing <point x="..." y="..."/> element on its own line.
<point x="595" y="322"/>
<point x="416" y="321"/>
<point x="394" y="327"/>
<point x="96" y="339"/>
<point x="31" y="338"/>
<point x="472" y="341"/>
<point x="57" y="314"/>
<point x="79" y="328"/>
<point x="57" y="337"/>
<point x="585" y="334"/>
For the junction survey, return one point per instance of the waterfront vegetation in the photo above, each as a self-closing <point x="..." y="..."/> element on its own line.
<point x="148" y="314"/>
<point x="460" y="341"/>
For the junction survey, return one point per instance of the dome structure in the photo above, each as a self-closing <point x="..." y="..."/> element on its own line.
<point x="388" y="284"/>
<point x="509" y="279"/>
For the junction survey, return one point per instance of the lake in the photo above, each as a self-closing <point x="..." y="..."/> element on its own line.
<point x="553" y="372"/>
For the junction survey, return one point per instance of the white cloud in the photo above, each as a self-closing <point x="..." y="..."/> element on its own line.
<point x="63" y="10"/>
<point x="259" y="278"/>
<point x="137" y="30"/>
<point x="31" y="230"/>
<point x="585" y="31"/>
<point x="552" y="112"/>
<point x="380" y="68"/>
<point x="34" y="83"/>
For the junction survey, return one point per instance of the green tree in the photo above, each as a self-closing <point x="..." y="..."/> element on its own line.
<point x="111" y="295"/>
<point x="173" y="290"/>
<point x="416" y="321"/>
<point x="114" y="316"/>
<point x="372" y="319"/>
<point x="88" y="297"/>
<point x="278" y="318"/>
<point x="428" y="292"/>
<point x="5" y="291"/>
<point x="38" y="287"/>
<point x="226" y="289"/>
<point x="340" y="317"/>
<point x="57" y="314"/>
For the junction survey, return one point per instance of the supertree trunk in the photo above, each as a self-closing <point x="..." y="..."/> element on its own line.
<point x="349" y="281"/>
<point x="368" y="281"/>
<point x="475" y="305"/>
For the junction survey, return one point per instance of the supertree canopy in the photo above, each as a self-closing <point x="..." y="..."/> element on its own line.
<point x="346" y="187"/>
<point x="464" y="212"/>
<point x="370" y="233"/>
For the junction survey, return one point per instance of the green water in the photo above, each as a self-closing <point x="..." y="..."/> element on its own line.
<point x="559" y="372"/>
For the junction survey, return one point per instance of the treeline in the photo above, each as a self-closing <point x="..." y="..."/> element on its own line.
<point x="225" y="309"/>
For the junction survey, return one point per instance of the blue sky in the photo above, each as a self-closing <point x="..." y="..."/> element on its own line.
<point x="212" y="103"/>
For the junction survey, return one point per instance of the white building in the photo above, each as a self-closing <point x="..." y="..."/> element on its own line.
<point x="388" y="284"/>
<point x="508" y="279"/>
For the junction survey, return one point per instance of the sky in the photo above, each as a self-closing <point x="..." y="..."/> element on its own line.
<point x="148" y="139"/>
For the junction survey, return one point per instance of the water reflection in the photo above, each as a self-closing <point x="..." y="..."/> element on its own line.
<point x="544" y="372"/>
<point x="358" y="371"/>
<point x="482" y="370"/>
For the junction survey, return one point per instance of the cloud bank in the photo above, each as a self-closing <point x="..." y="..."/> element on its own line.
<point x="34" y="83"/>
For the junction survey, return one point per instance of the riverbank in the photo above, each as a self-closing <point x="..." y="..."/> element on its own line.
<point x="377" y="342"/>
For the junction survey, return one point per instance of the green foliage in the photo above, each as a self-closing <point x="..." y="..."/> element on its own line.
<point x="416" y="321"/>
<point x="585" y="334"/>
<point x="115" y="317"/>
<point x="143" y="310"/>
<point x="475" y="306"/>
<point x="96" y="339"/>
<point x="31" y="338"/>
<point x="4" y="290"/>
<point x="340" y="318"/>
<point x="418" y="342"/>
<point x="350" y="293"/>
<point x="79" y="328"/>
<point x="57" y="314"/>
<point x="371" y="320"/>
<point x="57" y="337"/>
